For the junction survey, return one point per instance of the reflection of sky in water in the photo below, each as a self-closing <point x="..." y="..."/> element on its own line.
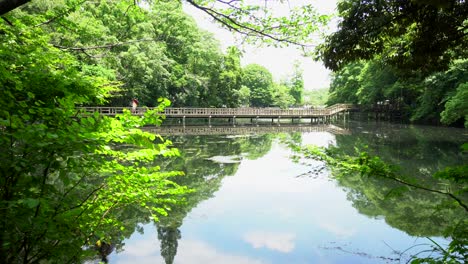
<point x="264" y="214"/>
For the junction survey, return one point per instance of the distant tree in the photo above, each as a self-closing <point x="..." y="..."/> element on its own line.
<point x="244" y="96"/>
<point x="296" y="84"/>
<point x="282" y="96"/>
<point x="316" y="97"/>
<point x="260" y="82"/>
<point x="230" y="78"/>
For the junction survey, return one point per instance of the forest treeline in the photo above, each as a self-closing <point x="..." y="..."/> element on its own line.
<point x="155" y="51"/>
<point x="408" y="55"/>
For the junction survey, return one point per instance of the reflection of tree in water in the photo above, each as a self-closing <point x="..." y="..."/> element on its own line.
<point x="417" y="149"/>
<point x="169" y="237"/>
<point x="204" y="176"/>
<point x="419" y="152"/>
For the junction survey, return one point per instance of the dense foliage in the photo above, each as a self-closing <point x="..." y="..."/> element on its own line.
<point x="438" y="97"/>
<point x="159" y="52"/>
<point x="263" y="91"/>
<point x="422" y="35"/>
<point x="408" y="55"/>
<point x="156" y="50"/>
<point x="66" y="176"/>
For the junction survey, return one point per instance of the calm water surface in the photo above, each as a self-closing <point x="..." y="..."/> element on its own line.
<point x="255" y="205"/>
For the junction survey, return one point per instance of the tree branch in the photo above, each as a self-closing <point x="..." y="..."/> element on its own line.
<point x="7" y="21"/>
<point x="240" y="28"/>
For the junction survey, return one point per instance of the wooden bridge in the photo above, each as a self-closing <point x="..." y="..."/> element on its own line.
<point x="319" y="114"/>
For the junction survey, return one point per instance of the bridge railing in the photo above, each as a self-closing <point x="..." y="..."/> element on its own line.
<point x="238" y="112"/>
<point x="105" y="110"/>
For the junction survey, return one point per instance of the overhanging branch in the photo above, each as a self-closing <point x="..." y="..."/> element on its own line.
<point x="239" y="27"/>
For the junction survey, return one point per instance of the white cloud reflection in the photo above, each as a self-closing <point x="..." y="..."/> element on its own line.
<point x="338" y="230"/>
<point x="282" y="242"/>
<point x="189" y="251"/>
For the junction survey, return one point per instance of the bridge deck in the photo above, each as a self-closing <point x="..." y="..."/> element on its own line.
<point x="231" y="112"/>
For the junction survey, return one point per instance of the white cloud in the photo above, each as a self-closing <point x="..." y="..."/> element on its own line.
<point x="282" y="242"/>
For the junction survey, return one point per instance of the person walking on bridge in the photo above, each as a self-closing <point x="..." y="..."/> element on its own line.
<point x="134" y="105"/>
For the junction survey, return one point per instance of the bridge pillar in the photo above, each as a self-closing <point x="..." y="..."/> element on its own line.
<point x="209" y="120"/>
<point x="183" y="120"/>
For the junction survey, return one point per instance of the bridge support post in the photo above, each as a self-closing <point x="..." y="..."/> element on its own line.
<point x="234" y="120"/>
<point x="183" y="120"/>
<point x="209" y="121"/>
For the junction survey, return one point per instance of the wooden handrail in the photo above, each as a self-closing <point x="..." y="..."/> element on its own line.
<point x="230" y="112"/>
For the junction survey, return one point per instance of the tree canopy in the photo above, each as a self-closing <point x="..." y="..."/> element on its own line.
<point x="409" y="34"/>
<point x="438" y="97"/>
<point x="260" y="82"/>
<point x="408" y="54"/>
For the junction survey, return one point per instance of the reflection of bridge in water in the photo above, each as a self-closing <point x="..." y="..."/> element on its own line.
<point x="244" y="130"/>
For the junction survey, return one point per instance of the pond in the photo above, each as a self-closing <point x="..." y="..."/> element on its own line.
<point x="254" y="204"/>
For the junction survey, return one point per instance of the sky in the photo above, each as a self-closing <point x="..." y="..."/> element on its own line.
<point x="279" y="61"/>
